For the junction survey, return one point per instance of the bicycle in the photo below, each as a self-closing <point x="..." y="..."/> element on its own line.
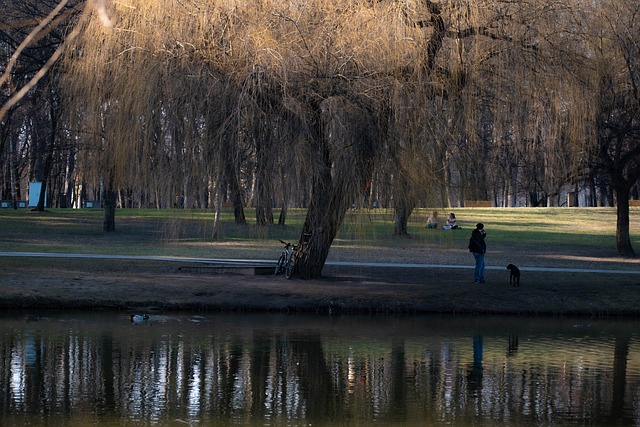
<point x="287" y="261"/>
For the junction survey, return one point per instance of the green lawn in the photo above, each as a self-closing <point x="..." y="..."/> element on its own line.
<point x="365" y="233"/>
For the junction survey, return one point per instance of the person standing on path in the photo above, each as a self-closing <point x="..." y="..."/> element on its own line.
<point x="478" y="247"/>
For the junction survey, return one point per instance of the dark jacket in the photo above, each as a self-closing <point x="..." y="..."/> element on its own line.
<point x="476" y="242"/>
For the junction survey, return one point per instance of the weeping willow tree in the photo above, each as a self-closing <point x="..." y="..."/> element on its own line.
<point x="482" y="83"/>
<point x="524" y="114"/>
<point x="192" y="98"/>
<point x="310" y="77"/>
<point x="155" y="100"/>
<point x="336" y="88"/>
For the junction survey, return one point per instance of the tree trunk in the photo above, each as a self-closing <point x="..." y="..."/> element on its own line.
<point x="513" y="186"/>
<point x="43" y="197"/>
<point x="342" y="148"/>
<point x="373" y="202"/>
<point x="217" y="201"/>
<point x="284" y="196"/>
<point x="13" y="171"/>
<point x="264" y="212"/>
<point x="69" y="180"/>
<point x="109" y="204"/>
<point x="324" y="216"/>
<point x="47" y="165"/>
<point x="238" y="208"/>
<point x="403" y="203"/>
<point x="236" y="197"/>
<point x="403" y="211"/>
<point x="623" y="237"/>
<point x="282" y="219"/>
<point x="234" y="187"/>
<point x="593" y="201"/>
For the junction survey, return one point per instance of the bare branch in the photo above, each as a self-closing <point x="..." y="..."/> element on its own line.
<point x="36" y="32"/>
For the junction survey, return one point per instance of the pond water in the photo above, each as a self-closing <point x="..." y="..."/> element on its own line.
<point x="75" y="369"/>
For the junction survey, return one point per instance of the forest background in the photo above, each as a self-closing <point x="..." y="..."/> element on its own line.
<point x="325" y="105"/>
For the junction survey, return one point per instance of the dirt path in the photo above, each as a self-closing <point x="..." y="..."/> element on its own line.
<point x="37" y="284"/>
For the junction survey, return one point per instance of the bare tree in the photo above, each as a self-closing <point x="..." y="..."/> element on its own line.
<point x="34" y="34"/>
<point x="616" y="80"/>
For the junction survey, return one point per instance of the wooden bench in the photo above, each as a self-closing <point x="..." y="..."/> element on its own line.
<point x="634" y="203"/>
<point x="477" y="203"/>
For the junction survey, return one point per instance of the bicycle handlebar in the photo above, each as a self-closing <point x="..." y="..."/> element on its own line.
<point x="287" y="244"/>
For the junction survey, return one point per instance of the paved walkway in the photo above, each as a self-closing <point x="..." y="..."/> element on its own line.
<point x="256" y="262"/>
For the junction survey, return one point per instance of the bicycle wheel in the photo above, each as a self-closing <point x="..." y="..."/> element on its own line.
<point x="290" y="267"/>
<point x="280" y="264"/>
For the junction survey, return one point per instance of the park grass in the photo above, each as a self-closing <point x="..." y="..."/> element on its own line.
<point x="189" y="232"/>
<point x="529" y="237"/>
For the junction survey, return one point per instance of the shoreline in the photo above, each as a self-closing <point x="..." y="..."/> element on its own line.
<point x="135" y="285"/>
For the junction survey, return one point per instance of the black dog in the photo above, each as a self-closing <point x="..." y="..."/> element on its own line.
<point x="514" y="278"/>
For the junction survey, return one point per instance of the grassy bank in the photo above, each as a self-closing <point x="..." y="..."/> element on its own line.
<point x="530" y="238"/>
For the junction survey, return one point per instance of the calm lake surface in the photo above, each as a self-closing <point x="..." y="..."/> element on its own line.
<point x="76" y="369"/>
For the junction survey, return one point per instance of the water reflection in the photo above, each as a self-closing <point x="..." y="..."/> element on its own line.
<point x="76" y="369"/>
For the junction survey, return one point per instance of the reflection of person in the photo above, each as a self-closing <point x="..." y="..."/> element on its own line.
<point x="432" y="221"/>
<point x="478" y="247"/>
<point x="474" y="374"/>
<point x="452" y="222"/>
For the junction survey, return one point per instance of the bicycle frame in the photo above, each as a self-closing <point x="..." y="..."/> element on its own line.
<point x="287" y="261"/>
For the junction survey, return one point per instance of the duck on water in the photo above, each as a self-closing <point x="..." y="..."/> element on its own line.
<point x="139" y="318"/>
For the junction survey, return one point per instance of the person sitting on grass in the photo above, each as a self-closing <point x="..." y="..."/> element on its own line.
<point x="432" y="221"/>
<point x="452" y="222"/>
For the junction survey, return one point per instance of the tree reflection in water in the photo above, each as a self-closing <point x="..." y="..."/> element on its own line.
<point x="69" y="369"/>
